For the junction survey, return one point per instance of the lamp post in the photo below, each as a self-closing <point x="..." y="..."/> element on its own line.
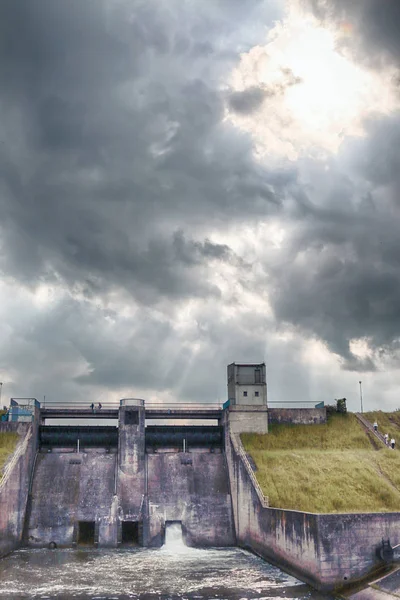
<point x="360" y="382"/>
<point x="1" y="389"/>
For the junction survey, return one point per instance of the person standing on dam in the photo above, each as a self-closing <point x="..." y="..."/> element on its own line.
<point x="392" y="443"/>
<point x="386" y="436"/>
<point x="375" y="426"/>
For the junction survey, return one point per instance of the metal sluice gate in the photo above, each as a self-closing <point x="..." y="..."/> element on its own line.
<point x="68" y="436"/>
<point x="156" y="436"/>
<point x="165" y="436"/>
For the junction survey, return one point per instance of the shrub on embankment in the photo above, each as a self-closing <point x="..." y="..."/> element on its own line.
<point x="8" y="442"/>
<point x="329" y="468"/>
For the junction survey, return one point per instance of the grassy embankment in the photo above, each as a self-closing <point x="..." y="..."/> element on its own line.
<point x="328" y="468"/>
<point x="8" y="442"/>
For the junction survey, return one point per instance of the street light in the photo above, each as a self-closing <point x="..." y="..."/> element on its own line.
<point x="361" y="396"/>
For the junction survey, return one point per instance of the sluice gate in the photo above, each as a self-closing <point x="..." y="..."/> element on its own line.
<point x="72" y="436"/>
<point x="183" y="437"/>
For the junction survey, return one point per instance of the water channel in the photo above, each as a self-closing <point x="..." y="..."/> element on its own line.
<point x="173" y="572"/>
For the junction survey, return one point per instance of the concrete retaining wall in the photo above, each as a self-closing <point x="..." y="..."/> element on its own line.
<point x="347" y="544"/>
<point x="192" y="488"/>
<point x="324" y="550"/>
<point x="286" y="538"/>
<point x="14" y="490"/>
<point x="297" y="416"/>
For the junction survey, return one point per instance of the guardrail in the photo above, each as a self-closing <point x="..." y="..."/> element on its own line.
<point x="293" y="404"/>
<point x="149" y="405"/>
<point x="19" y="451"/>
<point x="370" y="427"/>
<point x="238" y="447"/>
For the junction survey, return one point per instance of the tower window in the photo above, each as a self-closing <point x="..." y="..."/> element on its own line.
<point x="244" y="393"/>
<point x="257" y="394"/>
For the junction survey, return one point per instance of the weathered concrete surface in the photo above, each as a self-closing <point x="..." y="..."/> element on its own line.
<point x="384" y="588"/>
<point x="14" y="490"/>
<point x="192" y="488"/>
<point x="297" y="416"/>
<point x="348" y="543"/>
<point x="389" y="583"/>
<point x="372" y="594"/>
<point x="286" y="538"/>
<point x="131" y="487"/>
<point x="70" y="487"/>
<point x="327" y="551"/>
<point x="247" y="419"/>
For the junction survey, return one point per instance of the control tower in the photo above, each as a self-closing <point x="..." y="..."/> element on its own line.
<point x="247" y="410"/>
<point x="247" y="384"/>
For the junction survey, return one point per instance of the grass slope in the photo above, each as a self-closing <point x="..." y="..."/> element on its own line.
<point x="329" y="468"/>
<point x="8" y="442"/>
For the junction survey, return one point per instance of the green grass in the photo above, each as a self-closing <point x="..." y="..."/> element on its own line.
<point x="8" y="442"/>
<point x="329" y="468"/>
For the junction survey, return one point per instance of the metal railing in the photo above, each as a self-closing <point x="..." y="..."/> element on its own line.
<point x="148" y="405"/>
<point x="292" y="404"/>
<point x="79" y="405"/>
<point x="370" y="427"/>
<point x="19" y="451"/>
<point x="238" y="447"/>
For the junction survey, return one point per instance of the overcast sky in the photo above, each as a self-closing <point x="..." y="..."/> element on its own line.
<point x="189" y="183"/>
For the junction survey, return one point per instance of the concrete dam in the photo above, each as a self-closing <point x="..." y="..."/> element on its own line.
<point x="108" y="485"/>
<point x="123" y="484"/>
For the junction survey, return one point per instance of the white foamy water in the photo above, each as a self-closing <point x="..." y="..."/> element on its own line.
<point x="173" y="572"/>
<point x="174" y="543"/>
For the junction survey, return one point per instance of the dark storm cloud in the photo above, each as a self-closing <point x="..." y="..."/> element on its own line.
<point x="338" y="276"/>
<point x="375" y="26"/>
<point x="117" y="167"/>
<point x="250" y="99"/>
<point x="112" y="140"/>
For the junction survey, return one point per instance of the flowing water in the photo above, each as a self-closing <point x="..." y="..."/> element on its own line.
<point x="173" y="572"/>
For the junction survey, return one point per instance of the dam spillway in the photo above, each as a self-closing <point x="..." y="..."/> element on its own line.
<point x="105" y="486"/>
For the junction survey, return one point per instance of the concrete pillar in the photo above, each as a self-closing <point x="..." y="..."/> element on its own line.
<point x="131" y="441"/>
<point x="131" y="475"/>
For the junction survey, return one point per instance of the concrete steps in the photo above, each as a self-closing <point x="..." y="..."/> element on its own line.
<point x="370" y="427"/>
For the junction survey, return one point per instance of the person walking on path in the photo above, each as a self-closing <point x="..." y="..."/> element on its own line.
<point x="392" y="443"/>
<point x="92" y="407"/>
<point x="375" y="426"/>
<point x="386" y="436"/>
<point x="100" y="406"/>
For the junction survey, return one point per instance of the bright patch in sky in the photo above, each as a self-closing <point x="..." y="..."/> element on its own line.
<point x="313" y="95"/>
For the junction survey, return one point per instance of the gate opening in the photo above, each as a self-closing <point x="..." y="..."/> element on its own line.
<point x="130" y="533"/>
<point x="174" y="538"/>
<point x="86" y="533"/>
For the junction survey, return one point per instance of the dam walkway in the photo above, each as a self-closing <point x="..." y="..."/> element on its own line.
<point x="153" y="411"/>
